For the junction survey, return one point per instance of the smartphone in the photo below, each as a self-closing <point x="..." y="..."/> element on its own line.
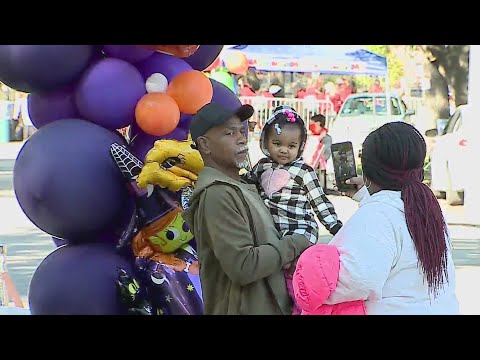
<point x="343" y="164"/>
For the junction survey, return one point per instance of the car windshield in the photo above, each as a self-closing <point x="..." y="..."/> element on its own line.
<point x="368" y="105"/>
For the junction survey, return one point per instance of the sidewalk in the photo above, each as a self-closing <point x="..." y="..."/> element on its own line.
<point x="455" y="215"/>
<point x="9" y="151"/>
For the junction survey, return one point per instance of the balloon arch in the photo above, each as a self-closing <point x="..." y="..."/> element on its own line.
<point x="112" y="204"/>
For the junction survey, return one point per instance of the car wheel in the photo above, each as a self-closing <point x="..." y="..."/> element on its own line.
<point x="439" y="194"/>
<point x="454" y="198"/>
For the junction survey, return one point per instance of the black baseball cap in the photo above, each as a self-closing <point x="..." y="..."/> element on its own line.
<point x="212" y="115"/>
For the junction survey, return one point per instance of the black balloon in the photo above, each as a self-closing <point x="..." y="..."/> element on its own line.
<point x="66" y="182"/>
<point x="79" y="280"/>
<point x="42" y="68"/>
<point x="204" y="56"/>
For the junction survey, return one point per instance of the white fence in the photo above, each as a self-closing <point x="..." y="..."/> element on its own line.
<point x="305" y="107"/>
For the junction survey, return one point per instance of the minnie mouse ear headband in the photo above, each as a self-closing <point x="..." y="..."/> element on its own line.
<point x="288" y="111"/>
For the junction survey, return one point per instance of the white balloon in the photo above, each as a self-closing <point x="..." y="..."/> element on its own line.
<point x="156" y="83"/>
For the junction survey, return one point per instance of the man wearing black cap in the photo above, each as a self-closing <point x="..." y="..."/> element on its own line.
<point x="240" y="251"/>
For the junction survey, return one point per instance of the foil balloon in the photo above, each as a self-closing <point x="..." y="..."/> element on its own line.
<point x="133" y="295"/>
<point x="166" y="235"/>
<point x="171" y="164"/>
<point x="172" y="282"/>
<point x="161" y="227"/>
<point x="141" y="143"/>
<point x="223" y="77"/>
<point x="166" y="265"/>
<point x="151" y="206"/>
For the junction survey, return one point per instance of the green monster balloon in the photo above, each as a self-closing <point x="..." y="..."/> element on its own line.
<point x="224" y="77"/>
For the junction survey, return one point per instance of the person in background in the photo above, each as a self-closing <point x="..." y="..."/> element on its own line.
<point x="376" y="87"/>
<point x="21" y="114"/>
<point x="244" y="88"/>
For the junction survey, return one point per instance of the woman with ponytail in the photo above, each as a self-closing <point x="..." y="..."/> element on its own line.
<point x="395" y="252"/>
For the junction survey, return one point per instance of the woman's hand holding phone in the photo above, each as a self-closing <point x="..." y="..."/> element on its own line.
<point x="358" y="183"/>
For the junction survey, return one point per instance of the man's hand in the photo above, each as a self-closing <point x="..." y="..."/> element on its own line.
<point x="291" y="267"/>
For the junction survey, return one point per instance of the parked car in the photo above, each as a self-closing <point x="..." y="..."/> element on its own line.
<point x="360" y="114"/>
<point x="454" y="154"/>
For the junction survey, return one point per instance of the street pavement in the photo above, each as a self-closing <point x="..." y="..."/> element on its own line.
<point x="28" y="246"/>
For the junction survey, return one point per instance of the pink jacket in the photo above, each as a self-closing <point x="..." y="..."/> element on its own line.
<point x="315" y="278"/>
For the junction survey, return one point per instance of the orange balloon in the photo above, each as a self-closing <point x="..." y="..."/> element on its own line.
<point x="181" y="51"/>
<point x="236" y="62"/>
<point x="191" y="90"/>
<point x="157" y="114"/>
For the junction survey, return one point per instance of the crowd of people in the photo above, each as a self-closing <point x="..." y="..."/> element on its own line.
<point x="257" y="239"/>
<point x="255" y="84"/>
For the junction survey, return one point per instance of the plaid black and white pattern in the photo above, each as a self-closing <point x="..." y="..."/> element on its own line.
<point x="292" y="207"/>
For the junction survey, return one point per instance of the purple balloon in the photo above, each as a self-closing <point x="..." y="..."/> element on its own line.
<point x="78" y="280"/>
<point x="168" y="65"/>
<point x="108" y="93"/>
<point x="222" y="95"/>
<point x="47" y="107"/>
<point x="185" y="121"/>
<point x="66" y="182"/>
<point x="42" y="68"/>
<point x="204" y="56"/>
<point x="142" y="143"/>
<point x="130" y="53"/>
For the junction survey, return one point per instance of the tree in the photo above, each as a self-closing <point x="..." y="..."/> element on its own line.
<point x="447" y="66"/>
<point x="395" y="66"/>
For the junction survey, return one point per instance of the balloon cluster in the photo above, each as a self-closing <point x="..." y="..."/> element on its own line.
<point x="75" y="177"/>
<point x="228" y="64"/>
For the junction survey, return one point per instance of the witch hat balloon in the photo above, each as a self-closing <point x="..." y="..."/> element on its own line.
<point x="151" y="205"/>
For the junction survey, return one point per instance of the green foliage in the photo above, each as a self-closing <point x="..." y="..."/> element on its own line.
<point x="395" y="66"/>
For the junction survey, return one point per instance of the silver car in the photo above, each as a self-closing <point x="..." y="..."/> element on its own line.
<point x="360" y="114"/>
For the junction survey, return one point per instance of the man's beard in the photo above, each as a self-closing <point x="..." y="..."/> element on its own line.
<point x="243" y="164"/>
